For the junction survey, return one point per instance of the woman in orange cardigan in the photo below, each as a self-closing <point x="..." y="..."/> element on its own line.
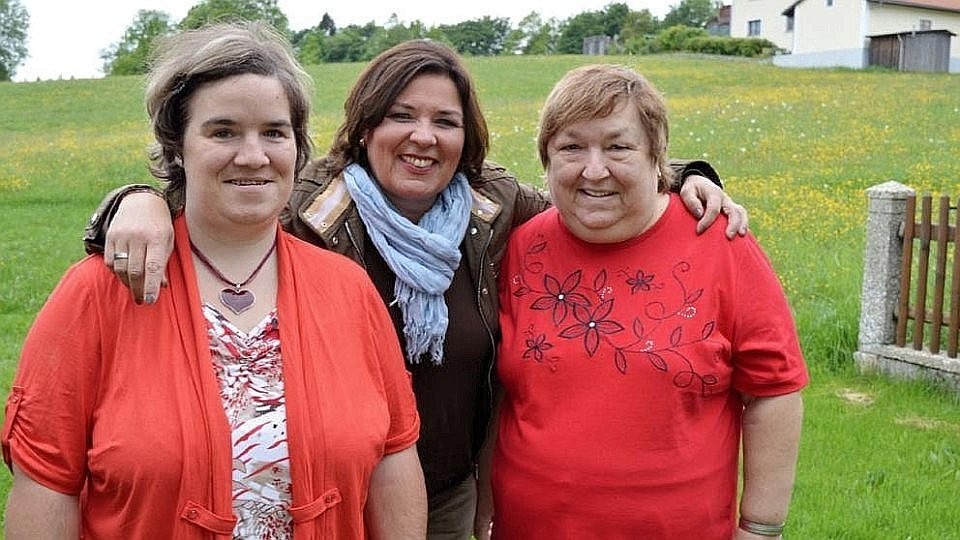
<point x="253" y="401"/>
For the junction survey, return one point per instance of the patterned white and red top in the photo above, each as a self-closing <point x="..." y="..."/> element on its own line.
<point x="249" y="369"/>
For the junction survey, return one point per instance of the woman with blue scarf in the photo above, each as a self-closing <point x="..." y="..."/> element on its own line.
<point x="406" y="192"/>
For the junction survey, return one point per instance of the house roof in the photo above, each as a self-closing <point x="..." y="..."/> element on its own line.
<point x="789" y="11"/>
<point x="913" y="32"/>
<point x="938" y="5"/>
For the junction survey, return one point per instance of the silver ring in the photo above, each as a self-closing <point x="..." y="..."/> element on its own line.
<point x="119" y="255"/>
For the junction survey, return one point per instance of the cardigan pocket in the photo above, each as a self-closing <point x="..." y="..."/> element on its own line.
<point x="198" y="515"/>
<point x="321" y="504"/>
<point x="9" y="416"/>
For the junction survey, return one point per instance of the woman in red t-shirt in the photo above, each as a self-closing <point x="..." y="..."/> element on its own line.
<point x="637" y="355"/>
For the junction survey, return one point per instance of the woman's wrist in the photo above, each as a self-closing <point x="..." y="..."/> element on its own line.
<point x="771" y="530"/>
<point x="94" y="234"/>
<point x="700" y="168"/>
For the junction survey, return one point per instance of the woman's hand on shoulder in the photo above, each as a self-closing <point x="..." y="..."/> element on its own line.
<point x="706" y="200"/>
<point x="138" y="244"/>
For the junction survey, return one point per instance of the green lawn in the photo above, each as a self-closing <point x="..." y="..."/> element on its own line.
<point x="879" y="458"/>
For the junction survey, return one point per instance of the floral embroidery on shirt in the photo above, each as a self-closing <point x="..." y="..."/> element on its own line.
<point x="640" y="281"/>
<point x="581" y="309"/>
<point x="249" y="369"/>
<point x="561" y="297"/>
<point x="536" y="347"/>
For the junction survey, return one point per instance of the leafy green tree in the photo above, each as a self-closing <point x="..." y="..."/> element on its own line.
<point x="513" y="41"/>
<point x="353" y="43"/>
<point x="532" y="35"/>
<point x="14" y="21"/>
<point x="478" y="37"/>
<point x="249" y="10"/>
<point x="638" y="29"/>
<point x="310" y="42"/>
<point x="437" y="34"/>
<point x="608" y="22"/>
<point x="326" y="25"/>
<point x="692" y="13"/>
<point x="345" y="46"/>
<point x="586" y="24"/>
<point x="311" y="47"/>
<point x="350" y="44"/>
<point x="544" y="39"/>
<point x="129" y="57"/>
<point x="614" y="17"/>
<point x="394" y="32"/>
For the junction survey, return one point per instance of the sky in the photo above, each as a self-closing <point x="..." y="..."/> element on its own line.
<point x="66" y="37"/>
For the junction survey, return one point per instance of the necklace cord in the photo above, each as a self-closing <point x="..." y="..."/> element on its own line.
<point x="216" y="272"/>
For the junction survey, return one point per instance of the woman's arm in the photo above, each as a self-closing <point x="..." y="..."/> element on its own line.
<point x="133" y="220"/>
<point x="35" y="512"/>
<point x="397" y="503"/>
<point x="771" y="439"/>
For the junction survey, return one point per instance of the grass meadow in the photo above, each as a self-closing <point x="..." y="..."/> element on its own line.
<point x="880" y="459"/>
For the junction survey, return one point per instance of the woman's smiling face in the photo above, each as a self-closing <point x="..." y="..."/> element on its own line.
<point x="415" y="151"/>
<point x="602" y="178"/>
<point x="239" y="151"/>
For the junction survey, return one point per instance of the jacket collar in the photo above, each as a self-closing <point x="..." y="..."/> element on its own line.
<point x="327" y="206"/>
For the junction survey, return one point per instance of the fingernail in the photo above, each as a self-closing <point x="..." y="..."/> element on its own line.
<point x="699" y="213"/>
<point x="150" y="299"/>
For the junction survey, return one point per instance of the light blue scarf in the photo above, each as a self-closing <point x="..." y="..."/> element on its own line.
<point x="423" y="256"/>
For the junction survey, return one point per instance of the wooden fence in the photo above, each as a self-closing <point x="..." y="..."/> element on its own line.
<point x="928" y="303"/>
<point x="910" y="300"/>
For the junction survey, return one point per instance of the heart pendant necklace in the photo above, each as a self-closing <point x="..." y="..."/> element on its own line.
<point x="234" y="297"/>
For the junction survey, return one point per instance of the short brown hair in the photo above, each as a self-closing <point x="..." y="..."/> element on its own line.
<point x="385" y="78"/>
<point x="594" y="91"/>
<point x="182" y="63"/>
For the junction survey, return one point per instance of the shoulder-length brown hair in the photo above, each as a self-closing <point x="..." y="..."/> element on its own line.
<point x="385" y="78"/>
<point x="182" y="63"/>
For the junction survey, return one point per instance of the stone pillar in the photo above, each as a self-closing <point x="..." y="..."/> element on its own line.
<point x="886" y="210"/>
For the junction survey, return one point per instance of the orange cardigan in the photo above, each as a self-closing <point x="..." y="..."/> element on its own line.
<point x="119" y="405"/>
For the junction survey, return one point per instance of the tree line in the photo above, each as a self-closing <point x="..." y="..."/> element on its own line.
<point x="630" y="32"/>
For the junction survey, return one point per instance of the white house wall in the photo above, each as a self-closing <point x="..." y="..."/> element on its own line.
<point x="890" y="19"/>
<point x="821" y="28"/>
<point x="827" y="35"/>
<point x="773" y="24"/>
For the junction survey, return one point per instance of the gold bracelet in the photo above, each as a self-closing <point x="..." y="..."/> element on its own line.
<point x="762" y="529"/>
